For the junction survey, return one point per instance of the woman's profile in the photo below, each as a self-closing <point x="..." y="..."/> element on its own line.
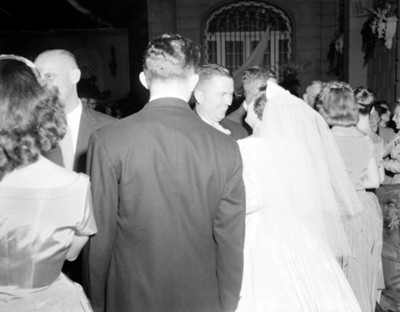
<point x="45" y="211"/>
<point x="295" y="244"/>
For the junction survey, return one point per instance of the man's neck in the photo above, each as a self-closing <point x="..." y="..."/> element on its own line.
<point x="363" y="124"/>
<point x="170" y="89"/>
<point x="205" y="117"/>
<point x="71" y="104"/>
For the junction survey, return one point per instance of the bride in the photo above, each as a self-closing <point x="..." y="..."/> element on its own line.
<point x="297" y="191"/>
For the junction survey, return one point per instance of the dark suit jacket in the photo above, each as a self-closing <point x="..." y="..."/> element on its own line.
<point x="90" y="121"/>
<point x="237" y="130"/>
<point x="169" y="204"/>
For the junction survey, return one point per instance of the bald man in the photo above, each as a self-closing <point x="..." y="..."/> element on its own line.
<point x="58" y="68"/>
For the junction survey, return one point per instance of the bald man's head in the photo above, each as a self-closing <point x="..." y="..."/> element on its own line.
<point x="58" y="68"/>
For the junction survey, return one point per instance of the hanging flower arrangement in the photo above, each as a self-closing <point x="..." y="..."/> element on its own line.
<point x="335" y="56"/>
<point x="380" y="26"/>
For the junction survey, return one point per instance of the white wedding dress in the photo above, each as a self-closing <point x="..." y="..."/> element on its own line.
<point x="289" y="265"/>
<point x="285" y="267"/>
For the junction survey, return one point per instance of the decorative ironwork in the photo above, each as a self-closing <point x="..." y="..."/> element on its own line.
<point x="232" y="32"/>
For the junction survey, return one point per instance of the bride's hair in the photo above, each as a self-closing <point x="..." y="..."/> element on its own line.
<point x="337" y="105"/>
<point x="32" y="119"/>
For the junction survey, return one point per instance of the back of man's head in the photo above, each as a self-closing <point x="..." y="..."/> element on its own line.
<point x="170" y="56"/>
<point x="312" y="92"/>
<point x="258" y="74"/>
<point x="255" y="78"/>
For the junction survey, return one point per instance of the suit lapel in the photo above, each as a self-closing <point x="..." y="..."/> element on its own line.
<point x="85" y="130"/>
<point x="86" y="126"/>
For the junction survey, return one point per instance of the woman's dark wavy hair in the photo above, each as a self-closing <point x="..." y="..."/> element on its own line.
<point x="337" y="105"/>
<point x="381" y="107"/>
<point x="365" y="99"/>
<point x="32" y="119"/>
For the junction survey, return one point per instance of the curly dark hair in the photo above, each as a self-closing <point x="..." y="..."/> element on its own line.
<point x="32" y="119"/>
<point x="337" y="105"/>
<point x="381" y="107"/>
<point x="365" y="99"/>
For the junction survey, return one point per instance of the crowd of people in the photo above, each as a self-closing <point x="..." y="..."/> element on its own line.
<point x="181" y="207"/>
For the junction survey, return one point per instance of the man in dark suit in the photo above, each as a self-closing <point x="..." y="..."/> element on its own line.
<point x="169" y="199"/>
<point x="58" y="68"/>
<point x="253" y="79"/>
<point x="214" y="94"/>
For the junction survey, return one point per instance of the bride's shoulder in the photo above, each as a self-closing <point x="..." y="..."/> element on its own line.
<point x="249" y="147"/>
<point x="248" y="142"/>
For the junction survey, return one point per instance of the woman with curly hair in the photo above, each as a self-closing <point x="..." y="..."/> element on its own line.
<point x="45" y="211"/>
<point x="337" y="104"/>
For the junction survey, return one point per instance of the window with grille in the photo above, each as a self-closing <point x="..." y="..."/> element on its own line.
<point x="232" y="33"/>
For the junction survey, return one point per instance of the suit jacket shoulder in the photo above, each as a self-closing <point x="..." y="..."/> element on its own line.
<point x="237" y="130"/>
<point x="97" y="119"/>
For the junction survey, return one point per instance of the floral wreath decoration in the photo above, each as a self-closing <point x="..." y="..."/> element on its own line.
<point x="380" y="26"/>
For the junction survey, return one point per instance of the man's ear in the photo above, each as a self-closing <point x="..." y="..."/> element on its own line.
<point x="75" y="76"/>
<point x="198" y="95"/>
<point x="143" y="80"/>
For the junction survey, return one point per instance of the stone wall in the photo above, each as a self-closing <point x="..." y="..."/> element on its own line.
<point x="314" y="24"/>
<point x="381" y="72"/>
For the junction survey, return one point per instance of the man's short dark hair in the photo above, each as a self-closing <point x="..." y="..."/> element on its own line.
<point x="259" y="74"/>
<point x="170" y="56"/>
<point x="209" y="71"/>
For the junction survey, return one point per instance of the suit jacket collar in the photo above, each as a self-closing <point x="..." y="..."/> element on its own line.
<point x="168" y="102"/>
